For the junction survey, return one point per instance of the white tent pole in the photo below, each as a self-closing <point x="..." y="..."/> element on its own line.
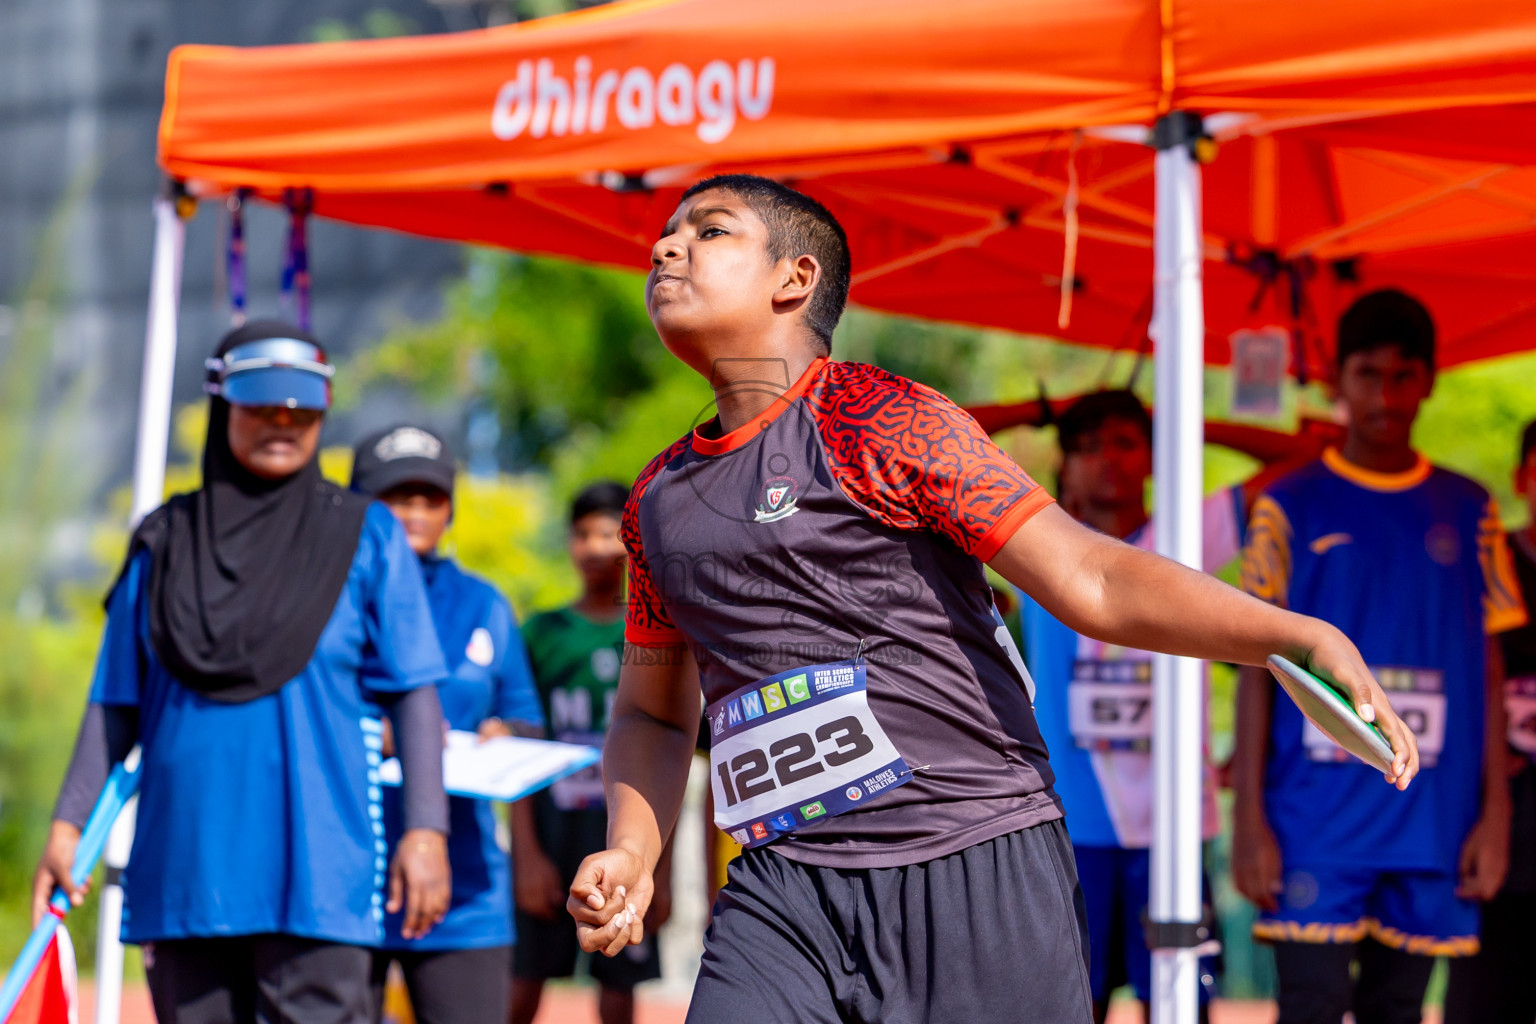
<point x="159" y="360"/>
<point x="148" y="490"/>
<point x="1178" y="326"/>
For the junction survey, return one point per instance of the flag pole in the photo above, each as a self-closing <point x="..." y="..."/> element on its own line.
<point x="120" y="787"/>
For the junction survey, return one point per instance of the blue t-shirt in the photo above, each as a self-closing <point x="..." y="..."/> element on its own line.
<point x="265" y="816"/>
<point x="1414" y="568"/>
<point x="488" y="677"/>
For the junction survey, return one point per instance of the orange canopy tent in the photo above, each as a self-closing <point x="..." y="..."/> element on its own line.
<point x="989" y="158"/>
<point x="946" y="137"/>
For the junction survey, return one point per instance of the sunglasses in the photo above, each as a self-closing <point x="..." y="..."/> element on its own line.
<point x="276" y="414"/>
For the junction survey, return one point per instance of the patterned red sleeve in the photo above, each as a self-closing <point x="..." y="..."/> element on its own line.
<point x="916" y="461"/>
<point x="646" y="621"/>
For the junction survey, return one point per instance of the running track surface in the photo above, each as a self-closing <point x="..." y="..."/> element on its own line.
<point x="578" y="1006"/>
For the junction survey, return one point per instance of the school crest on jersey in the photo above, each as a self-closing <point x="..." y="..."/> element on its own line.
<point x="778" y="500"/>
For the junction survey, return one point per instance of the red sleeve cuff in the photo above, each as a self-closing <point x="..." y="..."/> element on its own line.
<point x="643" y="636"/>
<point x="991" y="542"/>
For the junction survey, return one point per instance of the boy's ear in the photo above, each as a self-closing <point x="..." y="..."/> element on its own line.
<point x="798" y="279"/>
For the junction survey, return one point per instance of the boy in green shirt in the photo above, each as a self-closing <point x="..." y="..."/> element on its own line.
<point x="574" y="652"/>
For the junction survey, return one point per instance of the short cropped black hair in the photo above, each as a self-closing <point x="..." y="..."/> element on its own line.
<point x="797" y="224"/>
<point x="1387" y="318"/>
<point x="1092" y="411"/>
<point x="606" y="496"/>
<point x="1528" y="441"/>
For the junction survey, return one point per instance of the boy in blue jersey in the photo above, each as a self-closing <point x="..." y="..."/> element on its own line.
<point x="1095" y="710"/>
<point x="457" y="974"/>
<point x="1409" y="560"/>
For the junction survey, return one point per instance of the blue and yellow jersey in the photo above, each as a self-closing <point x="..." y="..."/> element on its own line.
<point x="1413" y="567"/>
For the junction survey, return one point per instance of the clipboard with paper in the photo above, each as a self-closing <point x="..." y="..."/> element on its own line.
<point x="506" y="768"/>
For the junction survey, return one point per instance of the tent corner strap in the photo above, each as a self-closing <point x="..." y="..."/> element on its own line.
<point x="174" y="190"/>
<point x="1184" y="128"/>
<point x="1179" y="934"/>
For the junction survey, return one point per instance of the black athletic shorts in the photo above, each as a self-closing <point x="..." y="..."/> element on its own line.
<point x="447" y="986"/>
<point x="995" y="932"/>
<point x="549" y="948"/>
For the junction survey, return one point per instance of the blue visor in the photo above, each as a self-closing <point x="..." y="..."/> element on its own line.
<point x="272" y="371"/>
<point x="278" y="385"/>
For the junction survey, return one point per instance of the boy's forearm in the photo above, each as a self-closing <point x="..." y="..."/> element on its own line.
<point x="1151" y="603"/>
<point x="1108" y="590"/>
<point x="645" y="771"/>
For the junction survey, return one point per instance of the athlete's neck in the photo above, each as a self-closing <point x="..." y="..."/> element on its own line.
<point x="601" y="603"/>
<point x="1115" y="520"/>
<point x="1392" y="458"/>
<point x="747" y="387"/>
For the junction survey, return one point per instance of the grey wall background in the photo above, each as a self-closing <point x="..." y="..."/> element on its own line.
<point x="80" y="96"/>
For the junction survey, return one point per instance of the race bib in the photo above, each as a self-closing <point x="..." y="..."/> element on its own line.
<point x="795" y="748"/>
<point x="1520" y="702"/>
<point x="583" y="790"/>
<point x="1109" y="704"/>
<point x="1418" y="697"/>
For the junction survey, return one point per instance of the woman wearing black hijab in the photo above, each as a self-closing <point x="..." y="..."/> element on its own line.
<point x="256" y="629"/>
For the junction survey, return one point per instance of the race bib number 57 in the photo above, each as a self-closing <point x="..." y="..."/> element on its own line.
<point x="795" y="748"/>
<point x="1109" y="704"/>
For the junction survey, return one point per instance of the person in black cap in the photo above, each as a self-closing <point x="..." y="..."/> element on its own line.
<point x="256" y="628"/>
<point x="459" y="973"/>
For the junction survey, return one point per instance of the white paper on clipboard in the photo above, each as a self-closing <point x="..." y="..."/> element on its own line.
<point x="506" y="768"/>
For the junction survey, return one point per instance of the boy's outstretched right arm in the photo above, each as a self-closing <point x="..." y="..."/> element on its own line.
<point x="1108" y="590"/>
<point x="646" y="757"/>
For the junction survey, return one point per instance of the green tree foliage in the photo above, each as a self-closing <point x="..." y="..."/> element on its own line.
<point x="47" y="630"/>
<point x="556" y="348"/>
<point x="378" y="23"/>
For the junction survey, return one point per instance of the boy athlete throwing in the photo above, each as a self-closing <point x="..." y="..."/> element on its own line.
<point x="814" y="554"/>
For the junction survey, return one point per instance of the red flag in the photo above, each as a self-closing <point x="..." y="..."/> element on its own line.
<point x="51" y="995"/>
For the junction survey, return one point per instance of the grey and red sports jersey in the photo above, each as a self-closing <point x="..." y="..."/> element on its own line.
<point x="854" y="516"/>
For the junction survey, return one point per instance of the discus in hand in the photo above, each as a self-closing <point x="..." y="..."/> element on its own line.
<point x="1327" y="706"/>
